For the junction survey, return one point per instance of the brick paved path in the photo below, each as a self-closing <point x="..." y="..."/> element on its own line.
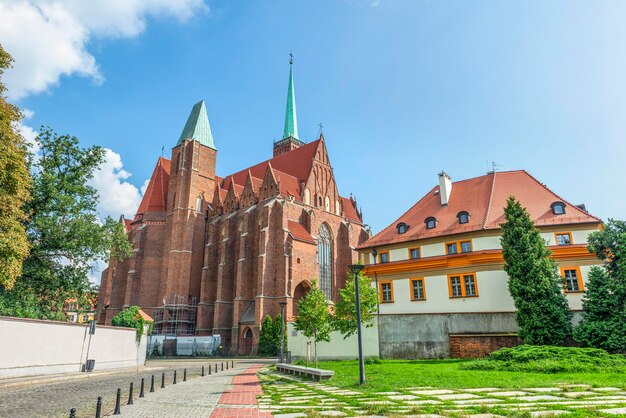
<point x="230" y="393"/>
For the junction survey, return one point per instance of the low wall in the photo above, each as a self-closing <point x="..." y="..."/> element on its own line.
<point x="337" y="349"/>
<point x="412" y="336"/>
<point x="34" y="347"/>
<point x="480" y="345"/>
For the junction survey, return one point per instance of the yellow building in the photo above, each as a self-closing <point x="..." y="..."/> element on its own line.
<point x="439" y="267"/>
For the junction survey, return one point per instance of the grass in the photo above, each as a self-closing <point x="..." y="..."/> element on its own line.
<point x="388" y="375"/>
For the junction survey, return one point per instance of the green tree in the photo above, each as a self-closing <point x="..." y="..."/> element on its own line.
<point x="314" y="318"/>
<point x="130" y="318"/>
<point x="15" y="183"/>
<point x="543" y="315"/>
<point x="276" y="333"/>
<point x="267" y="345"/>
<point x="65" y="234"/>
<point x="344" y="319"/>
<point x="603" y="323"/>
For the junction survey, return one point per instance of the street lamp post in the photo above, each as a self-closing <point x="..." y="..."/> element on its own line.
<point x="356" y="269"/>
<point x="282" y="330"/>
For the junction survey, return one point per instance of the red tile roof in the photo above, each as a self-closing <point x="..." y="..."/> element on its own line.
<point x="299" y="232"/>
<point x="155" y="197"/>
<point x="484" y="198"/>
<point x="349" y="209"/>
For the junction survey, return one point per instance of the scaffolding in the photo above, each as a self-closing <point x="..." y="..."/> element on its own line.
<point x="177" y="317"/>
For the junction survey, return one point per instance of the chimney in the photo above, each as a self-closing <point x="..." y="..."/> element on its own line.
<point x="445" y="188"/>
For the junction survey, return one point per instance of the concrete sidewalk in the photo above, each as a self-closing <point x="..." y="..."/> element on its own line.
<point x="230" y="393"/>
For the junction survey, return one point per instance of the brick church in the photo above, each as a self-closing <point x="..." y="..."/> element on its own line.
<point x="215" y="255"/>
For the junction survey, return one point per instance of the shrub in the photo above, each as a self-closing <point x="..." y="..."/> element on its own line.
<point x="130" y="318"/>
<point x="550" y="359"/>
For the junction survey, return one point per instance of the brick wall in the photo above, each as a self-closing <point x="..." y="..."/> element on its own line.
<point x="480" y="345"/>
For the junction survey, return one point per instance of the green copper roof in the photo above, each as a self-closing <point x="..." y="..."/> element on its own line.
<point x="291" y="121"/>
<point x="197" y="127"/>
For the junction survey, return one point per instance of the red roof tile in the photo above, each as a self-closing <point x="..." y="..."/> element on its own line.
<point x="155" y="197"/>
<point x="299" y="232"/>
<point x="349" y="209"/>
<point x="484" y="198"/>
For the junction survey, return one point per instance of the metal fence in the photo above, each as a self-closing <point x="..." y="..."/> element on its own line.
<point x="191" y="347"/>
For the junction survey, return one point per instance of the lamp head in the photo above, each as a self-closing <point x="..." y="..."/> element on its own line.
<point x="356" y="268"/>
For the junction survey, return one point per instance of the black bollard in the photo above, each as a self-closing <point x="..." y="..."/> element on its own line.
<point x="215" y="367"/>
<point x="222" y="366"/>
<point x="141" y="390"/>
<point x="232" y="364"/>
<point x="73" y="413"/>
<point x="226" y="364"/>
<point x="185" y="375"/>
<point x="210" y="369"/>
<point x="162" y="380"/>
<point x="99" y="407"/>
<point x="152" y="384"/>
<point x="117" y="402"/>
<point x="130" y="394"/>
<point x="174" y="377"/>
<point x="202" y="375"/>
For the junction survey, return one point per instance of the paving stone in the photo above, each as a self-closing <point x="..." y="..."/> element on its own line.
<point x="615" y="411"/>
<point x="333" y="413"/>
<point x="481" y="401"/>
<point x="535" y="398"/>
<point x="547" y="413"/>
<point x="578" y="394"/>
<point x="479" y="390"/>
<point x="456" y="396"/>
<point x="484" y="416"/>
<point x="432" y="392"/>
<point x="543" y="390"/>
<point x="378" y="403"/>
<point x="424" y="402"/>
<point x="570" y="385"/>
<point x="402" y="397"/>
<point x="508" y="394"/>
<point x="386" y="393"/>
<point x="295" y="415"/>
<point x="607" y="389"/>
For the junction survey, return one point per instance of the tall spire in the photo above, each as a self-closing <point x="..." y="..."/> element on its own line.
<point x="197" y="127"/>
<point x="291" y="121"/>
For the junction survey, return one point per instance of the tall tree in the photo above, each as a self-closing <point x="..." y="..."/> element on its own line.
<point x="63" y="228"/>
<point x="543" y="315"/>
<point x="314" y="319"/>
<point x="603" y="323"/>
<point x="15" y="182"/>
<point x="344" y="319"/>
<point x="267" y="345"/>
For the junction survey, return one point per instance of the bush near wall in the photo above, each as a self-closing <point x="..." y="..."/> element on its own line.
<point x="131" y="318"/>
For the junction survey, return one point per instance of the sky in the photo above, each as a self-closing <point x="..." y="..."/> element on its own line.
<point x="403" y="89"/>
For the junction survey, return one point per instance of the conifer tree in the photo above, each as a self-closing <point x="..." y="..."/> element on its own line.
<point x="15" y="182"/>
<point x="314" y="319"/>
<point x="603" y="323"/>
<point x="543" y="314"/>
<point x="267" y="346"/>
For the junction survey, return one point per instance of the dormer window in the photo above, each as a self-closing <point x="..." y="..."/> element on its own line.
<point x="463" y="217"/>
<point x="558" y="208"/>
<point x="402" y="228"/>
<point x="431" y="222"/>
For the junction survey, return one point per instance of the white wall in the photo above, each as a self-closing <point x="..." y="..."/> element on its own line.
<point x="34" y="347"/>
<point x="337" y="348"/>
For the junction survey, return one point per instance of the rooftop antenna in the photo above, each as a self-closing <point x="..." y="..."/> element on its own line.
<point x="494" y="166"/>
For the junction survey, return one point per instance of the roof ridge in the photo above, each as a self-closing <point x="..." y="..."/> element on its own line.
<point x="563" y="200"/>
<point x="493" y="187"/>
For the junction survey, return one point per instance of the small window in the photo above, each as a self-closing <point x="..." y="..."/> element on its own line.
<point x="466" y="246"/>
<point x="402" y="228"/>
<point x="418" y="290"/>
<point x="573" y="280"/>
<point x="414" y="253"/>
<point x="558" y="208"/>
<point x="463" y="217"/>
<point x="563" y="238"/>
<point x="199" y="203"/>
<point x="451" y="248"/>
<point x="386" y="292"/>
<point x="383" y="257"/>
<point x="463" y="285"/>
<point x="431" y="223"/>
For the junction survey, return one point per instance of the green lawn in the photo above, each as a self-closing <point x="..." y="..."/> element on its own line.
<point x="390" y="375"/>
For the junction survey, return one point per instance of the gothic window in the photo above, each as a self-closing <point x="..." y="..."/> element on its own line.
<point x="325" y="260"/>
<point x="327" y="204"/>
<point x="307" y="197"/>
<point x="337" y="208"/>
<point x="225" y="231"/>
<point x="242" y="227"/>
<point x="199" y="203"/>
<point x="181" y="159"/>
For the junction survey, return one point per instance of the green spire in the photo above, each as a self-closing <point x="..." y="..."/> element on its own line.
<point x="291" y="121"/>
<point x="197" y="127"/>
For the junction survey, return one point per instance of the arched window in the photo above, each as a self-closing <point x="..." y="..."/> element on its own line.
<point x="337" y="208"/>
<point x="307" y="197"/>
<point x="242" y="226"/>
<point x="319" y="201"/>
<point x="199" y="203"/>
<point x="402" y="228"/>
<point x="325" y="260"/>
<point x="463" y="217"/>
<point x="430" y="222"/>
<point x="558" y="208"/>
<point x="327" y="204"/>
<point x="225" y="231"/>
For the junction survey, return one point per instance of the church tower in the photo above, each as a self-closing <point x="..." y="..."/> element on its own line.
<point x="191" y="187"/>
<point x="290" y="139"/>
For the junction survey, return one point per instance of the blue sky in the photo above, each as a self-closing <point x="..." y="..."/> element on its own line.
<point x="404" y="90"/>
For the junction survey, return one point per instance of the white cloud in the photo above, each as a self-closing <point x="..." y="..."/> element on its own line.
<point x="117" y="196"/>
<point x="48" y="39"/>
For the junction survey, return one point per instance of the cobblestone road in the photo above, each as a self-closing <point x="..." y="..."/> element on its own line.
<point x="45" y="398"/>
